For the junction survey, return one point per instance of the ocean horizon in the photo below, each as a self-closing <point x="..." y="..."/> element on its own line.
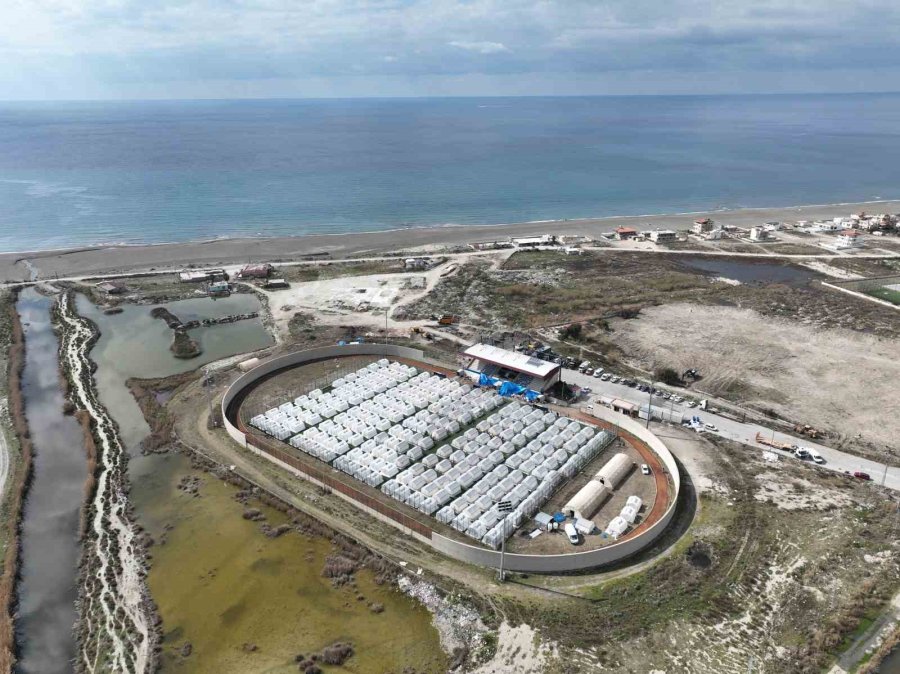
<point x="86" y="173"/>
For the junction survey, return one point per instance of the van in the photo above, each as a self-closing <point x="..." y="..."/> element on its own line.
<point x="571" y="533"/>
<point x="816" y="457"/>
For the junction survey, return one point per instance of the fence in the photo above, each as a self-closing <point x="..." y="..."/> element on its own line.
<point x="339" y="486"/>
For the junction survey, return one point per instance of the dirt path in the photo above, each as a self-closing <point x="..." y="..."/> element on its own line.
<point x="117" y="634"/>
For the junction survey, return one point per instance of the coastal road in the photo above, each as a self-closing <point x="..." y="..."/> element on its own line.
<point x="741" y="431"/>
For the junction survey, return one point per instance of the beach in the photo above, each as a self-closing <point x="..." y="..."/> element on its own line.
<point x="110" y="260"/>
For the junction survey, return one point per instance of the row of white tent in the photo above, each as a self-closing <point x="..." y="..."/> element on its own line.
<point x="620" y="523"/>
<point x="385" y="436"/>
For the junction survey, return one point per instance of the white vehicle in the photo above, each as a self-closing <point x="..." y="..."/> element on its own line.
<point x="571" y="533"/>
<point x="598" y="372"/>
<point x="802" y="453"/>
<point x="710" y="427"/>
<point x="691" y="404"/>
<point x="816" y="457"/>
<point x="645" y="469"/>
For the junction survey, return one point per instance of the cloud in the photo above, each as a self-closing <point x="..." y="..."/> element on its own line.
<point x="121" y="47"/>
<point x="480" y="47"/>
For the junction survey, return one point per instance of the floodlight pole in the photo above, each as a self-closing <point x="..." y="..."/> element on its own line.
<point x="503" y="507"/>
<point x="650" y="402"/>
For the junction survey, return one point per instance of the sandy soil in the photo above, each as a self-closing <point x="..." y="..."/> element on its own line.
<point x="839" y="380"/>
<point x="118" y="259"/>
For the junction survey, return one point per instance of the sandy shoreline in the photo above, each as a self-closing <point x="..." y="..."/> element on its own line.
<point x="124" y="259"/>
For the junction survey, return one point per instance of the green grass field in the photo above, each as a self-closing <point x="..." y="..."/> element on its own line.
<point x="886" y="294"/>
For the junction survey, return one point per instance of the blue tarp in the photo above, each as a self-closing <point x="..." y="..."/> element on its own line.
<point x="531" y="395"/>
<point x="484" y="380"/>
<point x="510" y="389"/>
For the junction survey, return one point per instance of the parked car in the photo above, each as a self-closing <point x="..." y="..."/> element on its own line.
<point x="605" y="376"/>
<point x="861" y="475"/>
<point x="691" y="403"/>
<point x="645" y="469"/>
<point x="598" y="372"/>
<point x="589" y="371"/>
<point x="710" y="427"/>
<point x="571" y="533"/>
<point x="816" y="457"/>
<point x="802" y="453"/>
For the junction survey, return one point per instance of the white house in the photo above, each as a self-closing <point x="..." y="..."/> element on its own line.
<point x="849" y="238"/>
<point x="662" y="235"/>
<point x="759" y="234"/>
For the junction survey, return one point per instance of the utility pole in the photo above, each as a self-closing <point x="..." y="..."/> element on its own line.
<point x="884" y="475"/>
<point x="503" y="507"/>
<point x="650" y="402"/>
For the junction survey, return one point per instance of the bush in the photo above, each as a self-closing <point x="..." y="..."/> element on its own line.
<point x="337" y="654"/>
<point x="667" y="375"/>
<point x="572" y="331"/>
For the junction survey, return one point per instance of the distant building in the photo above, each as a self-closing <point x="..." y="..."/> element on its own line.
<point x="256" y="271"/>
<point x="202" y="275"/>
<point x="849" y="238"/>
<point x="535" y="241"/>
<point x="416" y="263"/>
<point x="702" y="226"/>
<point x="572" y="250"/>
<point x="112" y="288"/>
<point x="625" y="233"/>
<point x="491" y="245"/>
<point x="663" y="235"/>
<point x="219" y="289"/>
<point x="759" y="234"/>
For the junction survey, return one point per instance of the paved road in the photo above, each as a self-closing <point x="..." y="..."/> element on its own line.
<point x="744" y="432"/>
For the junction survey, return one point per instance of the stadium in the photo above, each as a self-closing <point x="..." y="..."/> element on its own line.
<point x="467" y="463"/>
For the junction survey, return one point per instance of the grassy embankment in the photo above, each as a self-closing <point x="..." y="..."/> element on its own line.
<point x="14" y="427"/>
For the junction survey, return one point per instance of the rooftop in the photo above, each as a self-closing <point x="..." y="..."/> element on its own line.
<point x="511" y="359"/>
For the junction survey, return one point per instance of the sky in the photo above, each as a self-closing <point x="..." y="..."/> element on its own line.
<point x="134" y="49"/>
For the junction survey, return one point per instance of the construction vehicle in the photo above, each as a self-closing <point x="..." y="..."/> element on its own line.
<point x="807" y="430"/>
<point x="448" y="319"/>
<point x="761" y="439"/>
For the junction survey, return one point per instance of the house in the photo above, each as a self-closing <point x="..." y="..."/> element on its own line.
<point x="663" y="235"/>
<point x="702" y="226"/>
<point x="849" y="238"/>
<point x="112" y="288"/>
<point x="759" y="234"/>
<point x="416" y="263"/>
<point x="625" y="233"/>
<point x="202" y="275"/>
<point x="535" y="241"/>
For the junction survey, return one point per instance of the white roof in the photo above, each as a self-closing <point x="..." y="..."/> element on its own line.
<point x="511" y="359"/>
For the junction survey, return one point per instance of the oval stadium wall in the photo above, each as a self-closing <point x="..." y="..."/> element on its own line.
<point x="473" y="554"/>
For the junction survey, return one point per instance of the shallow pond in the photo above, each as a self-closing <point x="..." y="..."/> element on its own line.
<point x="220" y="584"/>
<point x="750" y="272"/>
<point x="218" y="581"/>
<point x="49" y="535"/>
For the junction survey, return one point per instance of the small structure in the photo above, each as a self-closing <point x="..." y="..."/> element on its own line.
<point x="535" y="241"/>
<point x="112" y="288"/>
<point x="849" y="238"/>
<point x="416" y="263"/>
<point x="625" y="233"/>
<point x="256" y="271"/>
<point x="491" y="245"/>
<point x="517" y="368"/>
<point x="587" y="500"/>
<point x="663" y="235"/>
<point x="759" y="234"/>
<point x="624" y="407"/>
<point x="275" y="284"/>
<point x="616" y="527"/>
<point x="202" y="275"/>
<point x="702" y="226"/>
<point x="572" y="250"/>
<point x="218" y="289"/>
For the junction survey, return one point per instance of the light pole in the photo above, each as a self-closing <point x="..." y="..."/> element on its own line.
<point x="503" y="507"/>
<point x="650" y="402"/>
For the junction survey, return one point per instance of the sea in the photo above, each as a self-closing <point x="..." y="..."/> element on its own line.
<point x="84" y="173"/>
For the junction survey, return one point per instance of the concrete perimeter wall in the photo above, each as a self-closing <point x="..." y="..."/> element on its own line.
<point x="473" y="554"/>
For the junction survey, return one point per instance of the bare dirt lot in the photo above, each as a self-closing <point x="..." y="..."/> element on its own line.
<point x="835" y="379"/>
